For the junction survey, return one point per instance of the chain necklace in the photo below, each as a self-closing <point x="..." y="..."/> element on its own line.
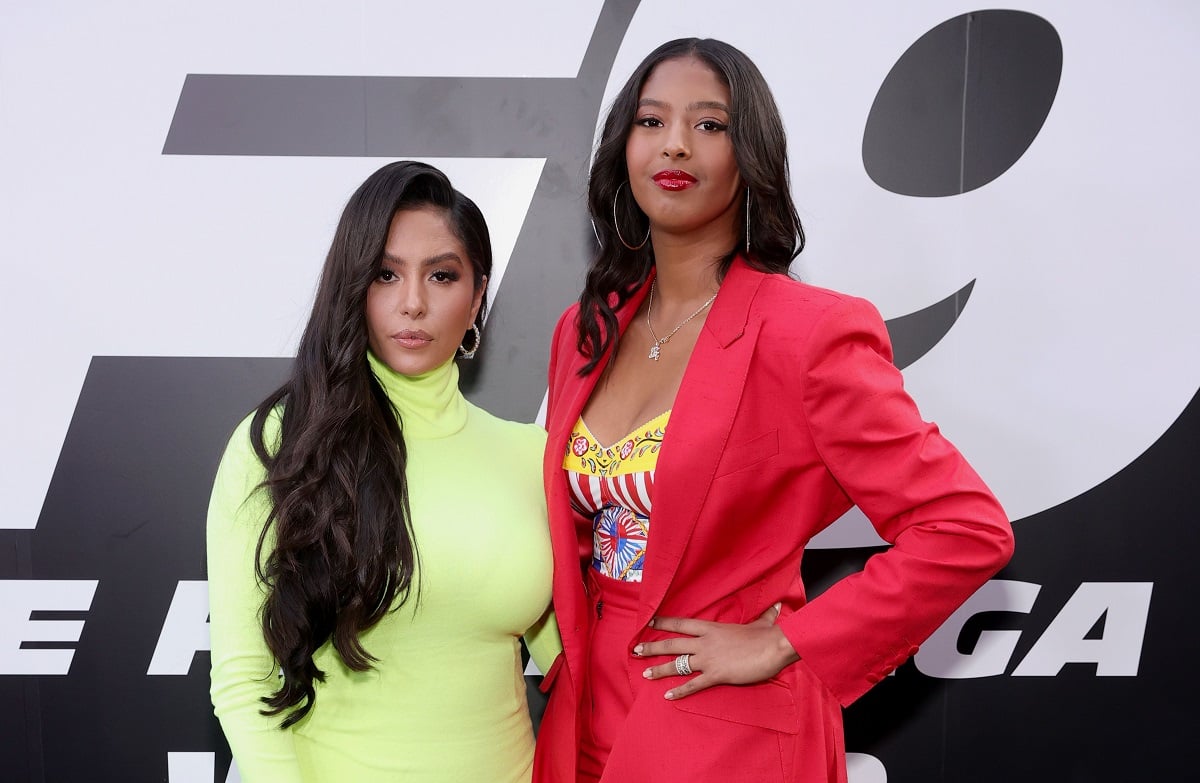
<point x="659" y="342"/>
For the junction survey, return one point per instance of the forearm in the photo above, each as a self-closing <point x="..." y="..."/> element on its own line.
<point x="543" y="641"/>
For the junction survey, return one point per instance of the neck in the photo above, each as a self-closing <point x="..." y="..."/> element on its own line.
<point x="688" y="264"/>
<point x="429" y="405"/>
<point x="681" y="281"/>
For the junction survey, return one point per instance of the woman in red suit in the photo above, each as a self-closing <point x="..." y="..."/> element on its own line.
<point x="707" y="416"/>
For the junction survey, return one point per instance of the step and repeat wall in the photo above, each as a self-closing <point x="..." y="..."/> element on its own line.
<point x="1015" y="190"/>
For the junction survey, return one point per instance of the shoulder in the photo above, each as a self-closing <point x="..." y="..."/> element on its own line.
<point x="512" y="450"/>
<point x="569" y="316"/>
<point x="239" y="462"/>
<point x="241" y="473"/>
<point x="789" y="304"/>
<point x="564" y="346"/>
<point x="504" y="434"/>
<point x="780" y="296"/>
<point x="240" y="444"/>
<point x="779" y="300"/>
<point x="809" y="323"/>
<point x="567" y="325"/>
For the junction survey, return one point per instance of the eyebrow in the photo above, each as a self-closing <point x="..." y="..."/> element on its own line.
<point x="691" y="106"/>
<point x="440" y="258"/>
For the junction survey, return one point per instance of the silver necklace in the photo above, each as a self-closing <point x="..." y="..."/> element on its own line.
<point x="659" y="342"/>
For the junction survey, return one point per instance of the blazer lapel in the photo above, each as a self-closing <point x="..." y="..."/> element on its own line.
<point x="698" y="430"/>
<point x="574" y="613"/>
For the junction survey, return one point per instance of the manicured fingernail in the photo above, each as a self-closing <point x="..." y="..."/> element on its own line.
<point x="637" y="650"/>
<point x="669" y="695"/>
<point x="646" y="673"/>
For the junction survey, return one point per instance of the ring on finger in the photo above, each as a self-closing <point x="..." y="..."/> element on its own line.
<point x="682" y="667"/>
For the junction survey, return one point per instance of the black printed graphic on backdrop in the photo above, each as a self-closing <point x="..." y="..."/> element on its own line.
<point x="126" y="504"/>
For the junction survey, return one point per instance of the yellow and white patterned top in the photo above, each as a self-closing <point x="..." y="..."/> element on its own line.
<point x="612" y="486"/>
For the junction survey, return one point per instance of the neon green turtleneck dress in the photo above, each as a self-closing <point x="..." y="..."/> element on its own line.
<point x="446" y="700"/>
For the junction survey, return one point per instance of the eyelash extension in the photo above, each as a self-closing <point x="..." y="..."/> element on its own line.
<point x="718" y="127"/>
<point x="448" y="275"/>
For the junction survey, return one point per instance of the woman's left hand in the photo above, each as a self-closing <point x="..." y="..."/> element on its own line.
<point x="718" y="653"/>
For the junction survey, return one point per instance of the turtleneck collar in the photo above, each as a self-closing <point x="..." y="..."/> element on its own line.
<point x="430" y="404"/>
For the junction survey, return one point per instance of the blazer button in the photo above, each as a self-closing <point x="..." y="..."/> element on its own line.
<point x="913" y="650"/>
<point x="873" y="678"/>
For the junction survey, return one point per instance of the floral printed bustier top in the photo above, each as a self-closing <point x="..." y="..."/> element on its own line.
<point x="612" y="487"/>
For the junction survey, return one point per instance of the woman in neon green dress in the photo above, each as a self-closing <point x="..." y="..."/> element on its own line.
<point x="376" y="544"/>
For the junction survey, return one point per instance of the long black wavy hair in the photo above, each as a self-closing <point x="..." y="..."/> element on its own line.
<point x="342" y="554"/>
<point x="760" y="148"/>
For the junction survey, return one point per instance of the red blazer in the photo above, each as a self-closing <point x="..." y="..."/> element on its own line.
<point x="789" y="412"/>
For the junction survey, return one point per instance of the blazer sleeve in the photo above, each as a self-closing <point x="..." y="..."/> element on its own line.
<point x="243" y="669"/>
<point x="948" y="532"/>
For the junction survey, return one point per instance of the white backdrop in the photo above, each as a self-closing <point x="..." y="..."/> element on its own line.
<point x="1076" y="351"/>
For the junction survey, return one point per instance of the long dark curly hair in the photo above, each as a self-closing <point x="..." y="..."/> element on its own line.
<point x="340" y="552"/>
<point x="760" y="148"/>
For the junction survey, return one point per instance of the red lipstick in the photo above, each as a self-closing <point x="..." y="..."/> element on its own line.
<point x="674" y="179"/>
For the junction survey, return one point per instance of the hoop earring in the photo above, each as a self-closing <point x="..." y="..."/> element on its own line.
<point x="617" y="228"/>
<point x="463" y="352"/>
<point x="747" y="221"/>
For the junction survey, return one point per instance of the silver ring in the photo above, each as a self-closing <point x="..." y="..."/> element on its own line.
<point x="682" y="667"/>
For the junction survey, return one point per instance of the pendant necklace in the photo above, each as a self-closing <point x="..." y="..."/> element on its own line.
<point x="659" y="342"/>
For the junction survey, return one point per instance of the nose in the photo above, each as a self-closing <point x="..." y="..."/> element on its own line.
<point x="675" y="146"/>
<point x="412" y="301"/>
